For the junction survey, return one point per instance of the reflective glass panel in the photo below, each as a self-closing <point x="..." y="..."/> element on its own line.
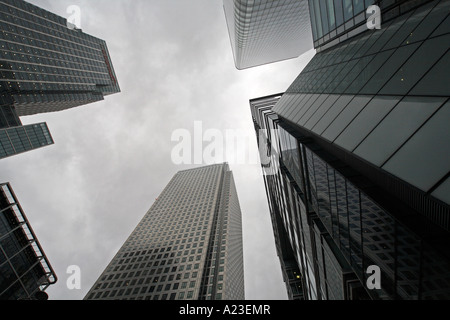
<point x="416" y="66"/>
<point x="386" y="33"/>
<point x="406" y="29"/>
<point x="357" y="68"/>
<point x="388" y="69"/>
<point x="398" y="125"/>
<point x="331" y="99"/>
<point x="307" y="114"/>
<point x="331" y="18"/>
<point x="358" y="6"/>
<point x="332" y="113"/>
<point x="443" y="28"/>
<point x="345" y="117"/>
<point x="434" y="18"/>
<point x="348" y="9"/>
<point x="365" y="121"/>
<point x="339" y="13"/>
<point x="425" y="158"/>
<point x="368" y="71"/>
<point x="302" y="108"/>
<point x="436" y="81"/>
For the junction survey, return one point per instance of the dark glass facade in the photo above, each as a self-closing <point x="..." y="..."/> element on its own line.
<point x="25" y="272"/>
<point x="358" y="153"/>
<point x="21" y="139"/>
<point x="333" y="21"/>
<point x="187" y="247"/>
<point x="379" y="102"/>
<point x="45" y="67"/>
<point x="337" y="223"/>
<point x="267" y="31"/>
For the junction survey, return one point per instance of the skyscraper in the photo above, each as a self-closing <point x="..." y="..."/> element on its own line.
<point x="45" y="67"/>
<point x="331" y="223"/>
<point x="188" y="246"/>
<point x="358" y="168"/>
<point x="267" y="31"/>
<point x="25" y="272"/>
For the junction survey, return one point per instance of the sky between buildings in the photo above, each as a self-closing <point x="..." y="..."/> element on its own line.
<point x="111" y="159"/>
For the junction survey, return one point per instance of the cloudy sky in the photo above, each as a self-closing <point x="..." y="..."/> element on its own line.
<point x="111" y="159"/>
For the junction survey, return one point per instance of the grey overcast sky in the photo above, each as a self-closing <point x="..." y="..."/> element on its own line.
<point x="111" y="159"/>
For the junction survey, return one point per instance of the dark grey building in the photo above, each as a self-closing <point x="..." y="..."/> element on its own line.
<point x="359" y="168"/>
<point x="188" y="246"/>
<point x="267" y="31"/>
<point x="45" y="67"/>
<point x="25" y="272"/>
<point x="19" y="139"/>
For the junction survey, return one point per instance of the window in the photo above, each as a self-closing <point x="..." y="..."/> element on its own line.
<point x="423" y="151"/>
<point x="358" y="6"/>
<point x="348" y="10"/>
<point x="365" y="121"/>
<point x="331" y="16"/>
<point x="419" y="63"/>
<point x="345" y="116"/>
<point x="388" y="136"/>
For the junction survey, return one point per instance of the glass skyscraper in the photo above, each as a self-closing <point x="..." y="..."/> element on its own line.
<point x="267" y="31"/>
<point x="25" y="272"/>
<point x="45" y="67"/>
<point x="188" y="246"/>
<point x="358" y="173"/>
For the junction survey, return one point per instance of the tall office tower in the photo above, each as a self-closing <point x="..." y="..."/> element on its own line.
<point x="188" y="246"/>
<point x="45" y="66"/>
<point x="25" y="272"/>
<point x="333" y="224"/>
<point x="363" y="175"/>
<point x="379" y="101"/>
<point x="267" y="31"/>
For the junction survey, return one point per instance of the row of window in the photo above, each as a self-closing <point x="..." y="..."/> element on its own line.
<point x="140" y="295"/>
<point x="20" y="139"/>
<point x="22" y="77"/>
<point x="58" y="62"/>
<point x="327" y="15"/>
<point x="44" y="86"/>
<point x="51" y="24"/>
<point x="17" y="37"/>
<point x="17" y="66"/>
